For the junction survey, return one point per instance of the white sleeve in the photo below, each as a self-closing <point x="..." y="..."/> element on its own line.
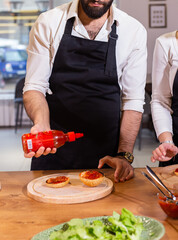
<point x="39" y="61"/>
<point x="134" y="73"/>
<point x="161" y="92"/>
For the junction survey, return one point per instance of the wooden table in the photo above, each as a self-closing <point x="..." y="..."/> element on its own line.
<point x="22" y="217"/>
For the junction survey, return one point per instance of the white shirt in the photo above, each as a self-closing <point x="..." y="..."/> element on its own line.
<point x="165" y="66"/>
<point x="131" y="51"/>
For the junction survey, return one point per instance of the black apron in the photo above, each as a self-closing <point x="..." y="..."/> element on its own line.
<point x="85" y="98"/>
<point x="174" y="107"/>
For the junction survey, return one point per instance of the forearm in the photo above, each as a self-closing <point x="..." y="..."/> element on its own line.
<point x="37" y="108"/>
<point x="165" y="136"/>
<point x="130" y="124"/>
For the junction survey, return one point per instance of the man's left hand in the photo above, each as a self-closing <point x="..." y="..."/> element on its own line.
<point x="123" y="169"/>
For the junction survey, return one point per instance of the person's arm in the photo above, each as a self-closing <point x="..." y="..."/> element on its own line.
<point x="165" y="136"/>
<point x="37" y="109"/>
<point x="130" y="124"/>
<point x="39" y="65"/>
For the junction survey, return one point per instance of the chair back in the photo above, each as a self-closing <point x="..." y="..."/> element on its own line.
<point x="19" y="89"/>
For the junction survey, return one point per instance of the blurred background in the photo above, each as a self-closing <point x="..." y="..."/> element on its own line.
<point x="16" y="19"/>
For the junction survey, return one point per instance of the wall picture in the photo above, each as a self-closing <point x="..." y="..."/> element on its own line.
<point x="157" y="16"/>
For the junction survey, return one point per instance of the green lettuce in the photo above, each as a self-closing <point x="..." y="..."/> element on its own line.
<point x="124" y="226"/>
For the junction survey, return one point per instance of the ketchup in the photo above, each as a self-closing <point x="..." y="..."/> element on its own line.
<point x="48" y="139"/>
<point x="169" y="207"/>
<point x="57" y="180"/>
<point x="92" y="175"/>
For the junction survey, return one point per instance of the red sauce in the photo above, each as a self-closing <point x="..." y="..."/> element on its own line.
<point x="92" y="175"/>
<point x="56" y="180"/>
<point x="176" y="170"/>
<point x="170" y="208"/>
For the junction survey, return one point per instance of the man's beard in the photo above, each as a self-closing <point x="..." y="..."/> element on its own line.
<point x="95" y="12"/>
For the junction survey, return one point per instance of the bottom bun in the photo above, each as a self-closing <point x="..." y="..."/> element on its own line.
<point x="57" y="182"/>
<point x="91" y="178"/>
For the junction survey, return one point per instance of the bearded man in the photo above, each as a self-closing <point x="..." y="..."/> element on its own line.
<point x="86" y="65"/>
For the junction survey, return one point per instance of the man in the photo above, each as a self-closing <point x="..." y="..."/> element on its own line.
<point x="81" y="55"/>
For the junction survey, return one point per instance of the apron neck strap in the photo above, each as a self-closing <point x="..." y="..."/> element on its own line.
<point x="69" y="25"/>
<point x="111" y="56"/>
<point x="113" y="34"/>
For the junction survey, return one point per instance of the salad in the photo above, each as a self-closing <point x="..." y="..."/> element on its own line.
<point x="124" y="226"/>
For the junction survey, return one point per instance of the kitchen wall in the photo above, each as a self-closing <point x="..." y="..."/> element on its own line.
<point x="140" y="10"/>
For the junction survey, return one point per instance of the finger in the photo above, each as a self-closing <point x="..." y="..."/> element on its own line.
<point x="124" y="175"/>
<point x="105" y="160"/>
<point x="120" y="171"/>
<point x="39" y="152"/>
<point x="159" y="153"/>
<point x="131" y="174"/>
<point x="162" y="149"/>
<point x="53" y="150"/>
<point x="47" y="151"/>
<point x="153" y="159"/>
<point x="101" y="163"/>
<point x="117" y="174"/>
<point x="29" y="155"/>
<point x="160" y="156"/>
<point x="121" y="165"/>
<point x="155" y="156"/>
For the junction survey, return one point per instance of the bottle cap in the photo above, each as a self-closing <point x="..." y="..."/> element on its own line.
<point x="79" y="135"/>
<point x="73" y="136"/>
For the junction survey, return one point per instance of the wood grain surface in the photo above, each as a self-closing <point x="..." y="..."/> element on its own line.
<point x="23" y="217"/>
<point x="75" y="192"/>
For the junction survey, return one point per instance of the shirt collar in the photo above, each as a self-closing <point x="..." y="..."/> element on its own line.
<point x="73" y="10"/>
<point x="112" y="17"/>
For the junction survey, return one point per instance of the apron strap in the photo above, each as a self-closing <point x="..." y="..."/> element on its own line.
<point x="69" y="25"/>
<point x="110" y="63"/>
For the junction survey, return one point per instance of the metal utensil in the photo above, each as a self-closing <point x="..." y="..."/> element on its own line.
<point x="153" y="174"/>
<point x="151" y="180"/>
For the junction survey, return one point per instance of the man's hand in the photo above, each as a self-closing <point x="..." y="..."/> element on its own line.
<point x="124" y="171"/>
<point x="41" y="151"/>
<point x="164" y="152"/>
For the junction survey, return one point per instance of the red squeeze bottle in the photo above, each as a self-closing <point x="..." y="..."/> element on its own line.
<point x="51" y="139"/>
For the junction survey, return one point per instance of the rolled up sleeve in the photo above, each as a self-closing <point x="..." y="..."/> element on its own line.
<point x="134" y="73"/>
<point x="161" y="91"/>
<point x="39" y="63"/>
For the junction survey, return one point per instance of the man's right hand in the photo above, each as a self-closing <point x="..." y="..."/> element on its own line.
<point x="123" y="169"/>
<point x="41" y="151"/>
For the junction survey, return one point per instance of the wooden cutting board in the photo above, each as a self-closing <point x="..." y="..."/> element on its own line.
<point x="168" y="177"/>
<point x="74" y="192"/>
